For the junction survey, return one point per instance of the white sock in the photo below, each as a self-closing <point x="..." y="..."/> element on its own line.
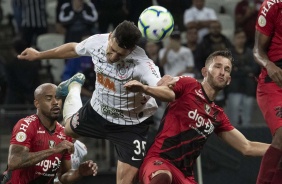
<point x="73" y="100"/>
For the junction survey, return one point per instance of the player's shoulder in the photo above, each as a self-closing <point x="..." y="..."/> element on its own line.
<point x="138" y="55"/>
<point x="31" y="120"/>
<point x="188" y="80"/>
<point x="269" y="6"/>
<point x="97" y="39"/>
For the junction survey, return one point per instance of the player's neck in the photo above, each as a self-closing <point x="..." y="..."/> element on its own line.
<point x="47" y="122"/>
<point x="209" y="90"/>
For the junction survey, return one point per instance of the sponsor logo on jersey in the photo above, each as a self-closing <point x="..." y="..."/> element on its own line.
<point x="199" y="93"/>
<point x="207" y="108"/>
<point x="201" y="121"/>
<point x="41" y="131"/>
<point x="106" y="82"/>
<point x="61" y="136"/>
<point x="111" y="111"/>
<point x="52" y="144"/>
<point x="49" y="164"/>
<point x="21" y="137"/>
<point x="153" y="70"/>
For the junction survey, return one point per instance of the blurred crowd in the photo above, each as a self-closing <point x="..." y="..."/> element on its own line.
<point x="200" y="29"/>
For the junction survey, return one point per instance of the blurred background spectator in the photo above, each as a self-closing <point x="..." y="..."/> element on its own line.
<point x="33" y="19"/>
<point x="135" y="8"/>
<point x="200" y="17"/>
<point x="78" y="18"/>
<point x="176" y="8"/>
<point x="22" y="76"/>
<point x="111" y="13"/>
<point x="192" y="43"/>
<point x="211" y="42"/>
<point x="246" y="12"/>
<point x="176" y="59"/>
<point x="241" y="92"/>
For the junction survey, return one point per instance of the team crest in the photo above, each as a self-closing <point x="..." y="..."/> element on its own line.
<point x="122" y="71"/>
<point x="207" y="108"/>
<point x="261" y="21"/>
<point x="51" y="144"/>
<point x="21" y="137"/>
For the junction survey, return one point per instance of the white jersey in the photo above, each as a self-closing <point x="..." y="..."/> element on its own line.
<point x="80" y="151"/>
<point x="110" y="99"/>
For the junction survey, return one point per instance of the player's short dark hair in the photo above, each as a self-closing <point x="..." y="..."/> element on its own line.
<point x="127" y="35"/>
<point x="224" y="53"/>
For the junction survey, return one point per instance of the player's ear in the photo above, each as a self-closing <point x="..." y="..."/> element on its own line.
<point x="204" y="71"/>
<point x="110" y="35"/>
<point x="229" y="80"/>
<point x="36" y="104"/>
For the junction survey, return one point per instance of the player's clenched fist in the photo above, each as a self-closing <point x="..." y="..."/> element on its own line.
<point x="29" y="54"/>
<point x="65" y="145"/>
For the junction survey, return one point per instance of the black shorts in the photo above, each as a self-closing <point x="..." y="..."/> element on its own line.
<point x="129" y="140"/>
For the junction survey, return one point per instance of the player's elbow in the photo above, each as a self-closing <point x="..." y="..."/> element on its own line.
<point x="12" y="165"/>
<point x="246" y="149"/>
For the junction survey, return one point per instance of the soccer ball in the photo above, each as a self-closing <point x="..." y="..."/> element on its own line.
<point x="155" y="23"/>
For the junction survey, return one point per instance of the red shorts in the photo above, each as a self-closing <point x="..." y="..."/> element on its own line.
<point x="269" y="98"/>
<point x="153" y="164"/>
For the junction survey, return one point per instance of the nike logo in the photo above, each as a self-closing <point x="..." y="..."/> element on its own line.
<point x="133" y="158"/>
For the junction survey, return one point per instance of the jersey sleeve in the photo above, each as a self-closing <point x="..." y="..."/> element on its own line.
<point x="224" y="125"/>
<point x="183" y="83"/>
<point x="82" y="48"/>
<point x="266" y="19"/>
<point x="22" y="134"/>
<point x="150" y="73"/>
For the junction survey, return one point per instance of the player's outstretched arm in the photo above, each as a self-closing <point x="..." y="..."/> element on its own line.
<point x="163" y="93"/>
<point x="238" y="141"/>
<point x="62" y="52"/>
<point x="19" y="156"/>
<point x="68" y="175"/>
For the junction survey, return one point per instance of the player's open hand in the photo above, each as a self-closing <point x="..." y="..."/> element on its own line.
<point x="134" y="86"/>
<point x="63" y="146"/>
<point x="168" y="80"/>
<point x="29" y="54"/>
<point x="88" y="168"/>
<point x="275" y="73"/>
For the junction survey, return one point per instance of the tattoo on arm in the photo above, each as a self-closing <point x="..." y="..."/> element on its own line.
<point x="19" y="156"/>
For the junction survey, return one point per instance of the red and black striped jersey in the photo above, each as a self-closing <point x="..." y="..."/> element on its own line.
<point x="187" y="123"/>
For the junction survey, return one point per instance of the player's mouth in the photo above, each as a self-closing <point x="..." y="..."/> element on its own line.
<point x="56" y="110"/>
<point x="221" y="79"/>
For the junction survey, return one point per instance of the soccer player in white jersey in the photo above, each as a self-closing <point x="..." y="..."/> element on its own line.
<point x="112" y="113"/>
